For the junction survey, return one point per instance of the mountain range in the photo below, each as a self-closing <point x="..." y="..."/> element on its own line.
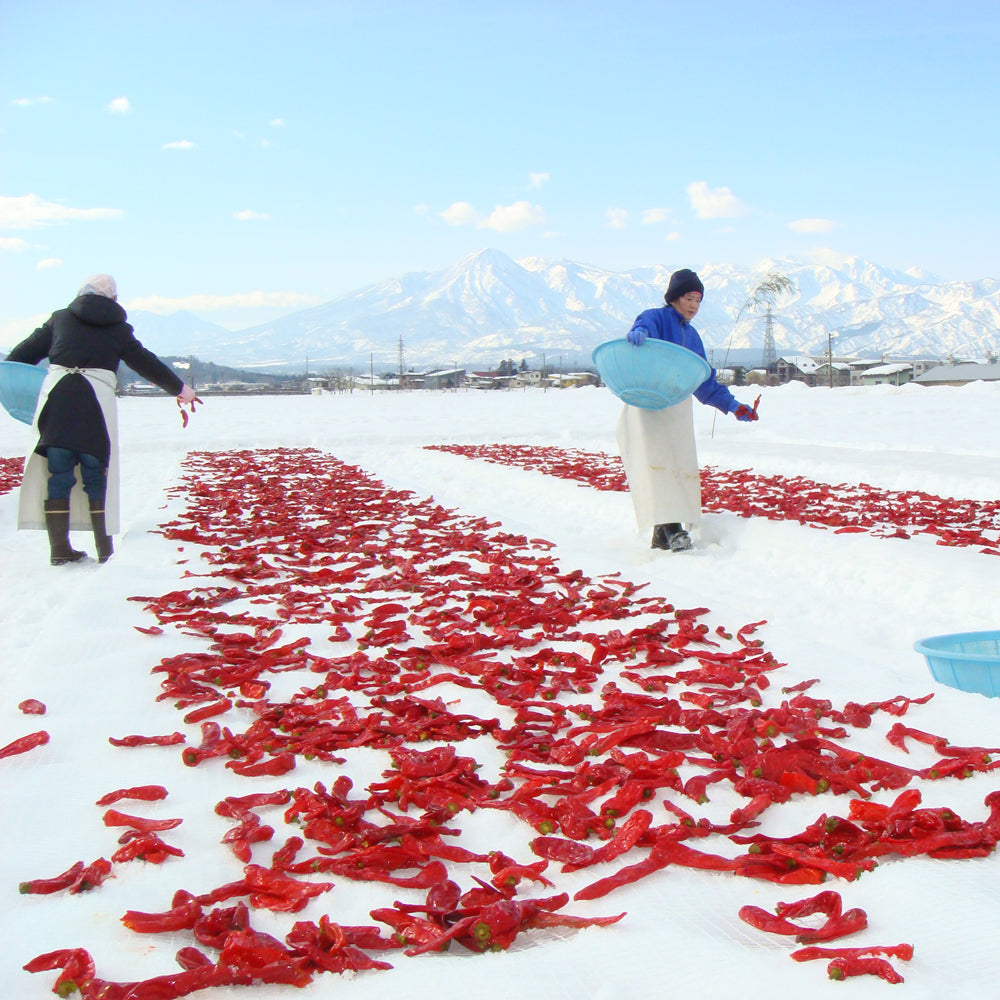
<point x="488" y="307"/>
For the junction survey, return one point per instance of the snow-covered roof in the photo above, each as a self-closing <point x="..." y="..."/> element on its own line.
<point x="887" y="369"/>
<point x="805" y="364"/>
<point x="964" y="372"/>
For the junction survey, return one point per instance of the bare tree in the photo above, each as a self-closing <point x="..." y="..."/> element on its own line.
<point x="765" y="295"/>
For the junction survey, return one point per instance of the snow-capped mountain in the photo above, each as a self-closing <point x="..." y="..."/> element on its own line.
<point x="488" y="307"/>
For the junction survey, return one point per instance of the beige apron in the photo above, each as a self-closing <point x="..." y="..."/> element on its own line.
<point x="661" y="464"/>
<point x="34" y="484"/>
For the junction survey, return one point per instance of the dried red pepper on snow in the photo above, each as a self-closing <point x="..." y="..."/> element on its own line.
<point x="24" y="744"/>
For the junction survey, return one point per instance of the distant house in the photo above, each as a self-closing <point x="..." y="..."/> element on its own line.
<point x="895" y="374"/>
<point x="960" y="374"/>
<point x="450" y="378"/>
<point x="834" y="373"/>
<point x="572" y="379"/>
<point x="799" y="368"/>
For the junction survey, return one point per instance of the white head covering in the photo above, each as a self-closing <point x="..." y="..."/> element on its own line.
<point x="100" y="284"/>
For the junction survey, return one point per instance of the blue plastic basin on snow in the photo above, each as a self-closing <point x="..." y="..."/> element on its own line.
<point x="19" y="388"/>
<point x="969" y="661"/>
<point x="654" y="375"/>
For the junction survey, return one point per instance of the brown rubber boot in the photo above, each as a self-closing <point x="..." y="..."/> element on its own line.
<point x="57" y="525"/>
<point x="105" y="547"/>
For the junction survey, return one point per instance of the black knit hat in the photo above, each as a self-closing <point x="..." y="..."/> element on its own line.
<point x="682" y="282"/>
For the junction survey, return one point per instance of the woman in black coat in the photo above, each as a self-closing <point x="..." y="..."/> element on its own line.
<point x="76" y="417"/>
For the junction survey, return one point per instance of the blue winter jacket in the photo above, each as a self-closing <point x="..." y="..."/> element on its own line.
<point x="666" y="323"/>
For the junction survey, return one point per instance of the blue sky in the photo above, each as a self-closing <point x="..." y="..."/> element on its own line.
<point x="246" y="159"/>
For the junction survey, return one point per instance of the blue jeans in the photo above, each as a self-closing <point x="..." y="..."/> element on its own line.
<point x="62" y="476"/>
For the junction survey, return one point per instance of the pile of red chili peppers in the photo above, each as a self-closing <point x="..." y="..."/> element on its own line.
<point x="11" y="471"/>
<point x="844" y="507"/>
<point x="619" y="716"/>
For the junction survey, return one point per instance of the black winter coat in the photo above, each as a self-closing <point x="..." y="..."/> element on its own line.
<point x="91" y="333"/>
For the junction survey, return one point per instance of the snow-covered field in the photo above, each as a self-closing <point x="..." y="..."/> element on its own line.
<point x="845" y="608"/>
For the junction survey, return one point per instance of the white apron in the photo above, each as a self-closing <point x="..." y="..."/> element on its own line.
<point x="661" y="464"/>
<point x="34" y="484"/>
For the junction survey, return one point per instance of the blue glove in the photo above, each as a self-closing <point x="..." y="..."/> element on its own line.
<point x="636" y="335"/>
<point x="743" y="412"/>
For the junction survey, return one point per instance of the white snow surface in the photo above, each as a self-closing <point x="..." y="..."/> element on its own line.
<point x="845" y="608"/>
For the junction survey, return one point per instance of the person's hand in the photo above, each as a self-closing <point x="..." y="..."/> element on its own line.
<point x="186" y="396"/>
<point x="636" y="335"/>
<point x="744" y="412"/>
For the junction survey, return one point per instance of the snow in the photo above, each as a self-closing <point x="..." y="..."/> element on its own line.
<point x="845" y="608"/>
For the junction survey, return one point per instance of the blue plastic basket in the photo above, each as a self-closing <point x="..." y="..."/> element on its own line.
<point x="19" y="388"/>
<point x="652" y="376"/>
<point x="969" y="661"/>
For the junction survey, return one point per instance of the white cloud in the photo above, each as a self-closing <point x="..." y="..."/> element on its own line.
<point x="277" y="122"/>
<point x="651" y="216"/>
<point x="31" y="212"/>
<point x="44" y="265"/>
<point x="163" y="305"/>
<point x="513" y="218"/>
<point x="812" y="226"/>
<point x="27" y="102"/>
<point x="460" y="213"/>
<point x="422" y="209"/>
<point x="503" y="219"/>
<point x="535" y="181"/>
<point x="672" y="237"/>
<point x="120" y="106"/>
<point x="249" y="215"/>
<point x="714" y="203"/>
<point x="13" y="243"/>
<point x="180" y="144"/>
<point x="617" y="218"/>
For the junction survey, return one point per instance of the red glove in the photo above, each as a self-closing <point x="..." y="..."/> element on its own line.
<point x="744" y="412"/>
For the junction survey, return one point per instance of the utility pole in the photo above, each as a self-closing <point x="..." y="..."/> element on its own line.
<point x="402" y="378"/>
<point x="829" y="355"/>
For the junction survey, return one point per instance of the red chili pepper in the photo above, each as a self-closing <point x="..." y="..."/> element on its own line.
<point x="144" y="793"/>
<point x="24" y="744"/>
<point x="141" y="741"/>
<point x="183" y="916"/>
<point x="76" y="964"/>
<point x="843" y="968"/>
<point x="279" y="764"/>
<point x="77" y="878"/>
<point x="47" y="885"/>
<point x="144" y="846"/>
<point x="813" y="952"/>
<point x="570" y="852"/>
<point x="214" y="927"/>
<point x="115" y="818"/>
<point x="760" y="918"/>
<point x="32" y="706"/>
<point x="192" y="958"/>
<point x="838" y="923"/>
<point x="207" y="711"/>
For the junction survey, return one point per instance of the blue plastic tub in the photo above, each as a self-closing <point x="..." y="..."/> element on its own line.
<point x="654" y="375"/>
<point x="969" y="661"/>
<point x="19" y="388"/>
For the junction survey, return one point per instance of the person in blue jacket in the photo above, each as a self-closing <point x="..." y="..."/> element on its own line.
<point x="658" y="446"/>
